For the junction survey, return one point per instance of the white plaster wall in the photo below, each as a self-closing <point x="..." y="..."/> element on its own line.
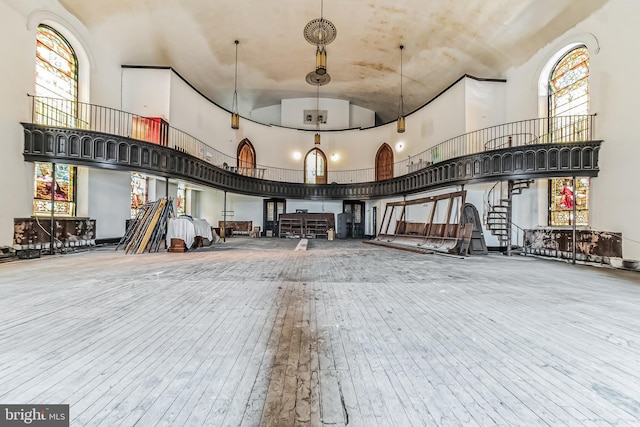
<point x="82" y="191"/>
<point x="147" y="94"/>
<point x="17" y="49"/>
<point x="173" y="193"/>
<point x="527" y="205"/>
<point x="361" y="117"/>
<point x="337" y="112"/>
<point x="369" y="229"/>
<point x="194" y="114"/>
<point x="611" y="34"/>
<point x="440" y="120"/>
<point x="245" y="208"/>
<point x="315" y="206"/>
<point x="477" y="195"/>
<point x="484" y="104"/>
<point x="152" y="190"/>
<point x="109" y="201"/>
<point x="210" y="206"/>
<point x="271" y="114"/>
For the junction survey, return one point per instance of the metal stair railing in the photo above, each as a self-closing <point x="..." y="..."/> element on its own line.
<point x="498" y="212"/>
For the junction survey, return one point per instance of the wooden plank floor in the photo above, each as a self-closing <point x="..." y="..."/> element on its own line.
<point x="254" y="333"/>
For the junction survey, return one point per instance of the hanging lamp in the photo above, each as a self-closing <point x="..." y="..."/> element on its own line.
<point x="401" y="127"/>
<point x="321" y="60"/>
<point x="316" y="138"/>
<point x="320" y="32"/>
<point x="235" y="117"/>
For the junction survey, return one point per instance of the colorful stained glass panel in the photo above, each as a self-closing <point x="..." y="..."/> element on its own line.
<point x="181" y="200"/>
<point x="56" y="66"/>
<point x="64" y="192"/>
<point x="564" y="196"/>
<point x="56" y="79"/>
<point x="138" y="192"/>
<point x="569" y="96"/>
<point x="569" y="84"/>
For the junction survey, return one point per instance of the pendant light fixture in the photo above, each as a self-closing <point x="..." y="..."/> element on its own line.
<point x="321" y="60"/>
<point x="316" y="138"/>
<point x="320" y="32"/>
<point x="235" y="117"/>
<point x="401" y="103"/>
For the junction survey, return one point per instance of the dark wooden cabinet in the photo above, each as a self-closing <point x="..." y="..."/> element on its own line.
<point x="309" y="225"/>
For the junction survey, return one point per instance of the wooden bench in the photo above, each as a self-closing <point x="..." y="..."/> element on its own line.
<point x="239" y="227"/>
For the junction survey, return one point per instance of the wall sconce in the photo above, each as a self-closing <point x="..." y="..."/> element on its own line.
<point x="400" y="146"/>
<point x="335" y="157"/>
<point x="297" y="155"/>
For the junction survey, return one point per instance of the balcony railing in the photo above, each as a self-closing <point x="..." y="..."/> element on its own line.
<point x="64" y="113"/>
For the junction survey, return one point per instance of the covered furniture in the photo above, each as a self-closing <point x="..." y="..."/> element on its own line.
<point x="189" y="230"/>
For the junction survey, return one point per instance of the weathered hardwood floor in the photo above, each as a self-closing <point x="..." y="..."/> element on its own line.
<point x="253" y="333"/>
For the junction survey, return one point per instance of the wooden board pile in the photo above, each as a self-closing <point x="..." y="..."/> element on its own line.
<point x="146" y="232"/>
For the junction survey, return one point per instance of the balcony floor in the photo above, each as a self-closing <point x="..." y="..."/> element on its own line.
<point x="252" y="332"/>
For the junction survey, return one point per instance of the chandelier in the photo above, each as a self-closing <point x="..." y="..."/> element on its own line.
<point x="320" y="32"/>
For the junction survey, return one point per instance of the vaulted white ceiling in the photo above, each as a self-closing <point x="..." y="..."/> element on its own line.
<point x="443" y="40"/>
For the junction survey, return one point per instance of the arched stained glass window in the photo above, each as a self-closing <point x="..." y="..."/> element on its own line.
<point x="569" y="97"/>
<point x="569" y="84"/>
<point x="315" y="167"/>
<point x="56" y="65"/>
<point x="56" y="84"/>
<point x="384" y="162"/>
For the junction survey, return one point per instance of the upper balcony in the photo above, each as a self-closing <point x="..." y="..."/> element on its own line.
<point x="85" y="134"/>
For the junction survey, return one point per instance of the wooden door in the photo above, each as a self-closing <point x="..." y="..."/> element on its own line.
<point x="384" y="162"/>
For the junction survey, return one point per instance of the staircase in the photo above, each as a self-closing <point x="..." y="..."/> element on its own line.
<point x="497" y="214"/>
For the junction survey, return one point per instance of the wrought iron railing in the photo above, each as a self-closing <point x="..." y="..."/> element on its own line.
<point x="64" y="113"/>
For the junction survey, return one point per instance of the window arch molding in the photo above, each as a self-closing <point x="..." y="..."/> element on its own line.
<point x="315" y="167"/>
<point x="557" y="52"/>
<point x="85" y="59"/>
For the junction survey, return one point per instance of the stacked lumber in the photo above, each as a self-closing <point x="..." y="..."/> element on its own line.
<point x="146" y="232"/>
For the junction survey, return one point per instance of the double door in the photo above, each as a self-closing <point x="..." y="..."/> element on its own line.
<point x="271" y="212"/>
<point x="353" y="210"/>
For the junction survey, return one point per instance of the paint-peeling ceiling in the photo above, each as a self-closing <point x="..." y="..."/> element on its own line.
<point x="443" y="40"/>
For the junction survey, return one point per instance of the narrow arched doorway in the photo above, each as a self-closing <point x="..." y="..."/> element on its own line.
<point x="246" y="156"/>
<point x="384" y="162"/>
